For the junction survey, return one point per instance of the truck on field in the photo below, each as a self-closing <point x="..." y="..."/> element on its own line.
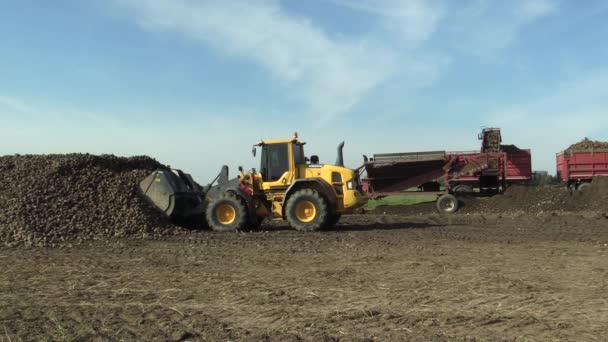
<point x="579" y="163"/>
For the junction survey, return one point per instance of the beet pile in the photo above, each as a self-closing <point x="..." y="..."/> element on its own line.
<point x="587" y="145"/>
<point x="56" y="199"/>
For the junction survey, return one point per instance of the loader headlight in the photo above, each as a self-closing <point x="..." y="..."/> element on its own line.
<point x="350" y="185"/>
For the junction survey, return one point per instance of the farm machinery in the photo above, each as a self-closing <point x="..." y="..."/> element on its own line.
<point x="313" y="196"/>
<point x="447" y="174"/>
<point x="309" y="195"/>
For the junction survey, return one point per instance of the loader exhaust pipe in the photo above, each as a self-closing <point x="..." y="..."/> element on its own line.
<point x="340" y="159"/>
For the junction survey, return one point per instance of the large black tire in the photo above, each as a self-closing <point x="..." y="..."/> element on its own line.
<point x="226" y="213"/>
<point x="447" y="204"/>
<point x="306" y="210"/>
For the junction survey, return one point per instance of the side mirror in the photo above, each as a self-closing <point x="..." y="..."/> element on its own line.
<point x="240" y="168"/>
<point x="253" y="151"/>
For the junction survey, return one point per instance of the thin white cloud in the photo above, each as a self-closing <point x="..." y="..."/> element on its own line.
<point x="481" y="27"/>
<point x="530" y="10"/>
<point x="9" y="104"/>
<point x="17" y="109"/>
<point x="415" y="20"/>
<point x="485" y="27"/>
<point x="331" y="75"/>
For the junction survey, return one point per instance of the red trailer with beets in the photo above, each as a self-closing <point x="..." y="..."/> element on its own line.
<point x="577" y="168"/>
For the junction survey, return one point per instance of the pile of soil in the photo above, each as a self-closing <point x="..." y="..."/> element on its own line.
<point x="587" y="145"/>
<point x="54" y="199"/>
<point x="521" y="199"/>
<point x="537" y="199"/>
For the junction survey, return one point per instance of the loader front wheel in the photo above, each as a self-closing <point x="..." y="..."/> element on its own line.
<point x="226" y="213"/>
<point x="306" y="210"/>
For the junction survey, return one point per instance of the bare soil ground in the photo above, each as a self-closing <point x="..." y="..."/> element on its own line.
<point x="466" y="277"/>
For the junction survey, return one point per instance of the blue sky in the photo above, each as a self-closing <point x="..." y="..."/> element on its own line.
<point x="194" y="83"/>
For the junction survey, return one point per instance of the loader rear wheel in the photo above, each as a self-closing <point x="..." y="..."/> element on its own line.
<point x="447" y="204"/>
<point x="306" y="210"/>
<point x="226" y="213"/>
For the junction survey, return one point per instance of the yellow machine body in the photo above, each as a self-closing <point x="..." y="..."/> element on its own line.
<point x="340" y="185"/>
<point x="288" y="185"/>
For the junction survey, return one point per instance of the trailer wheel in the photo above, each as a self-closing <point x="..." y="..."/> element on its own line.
<point x="306" y="210"/>
<point x="447" y="204"/>
<point x="226" y="213"/>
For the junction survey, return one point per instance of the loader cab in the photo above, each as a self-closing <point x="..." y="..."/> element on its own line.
<point x="279" y="159"/>
<point x="275" y="162"/>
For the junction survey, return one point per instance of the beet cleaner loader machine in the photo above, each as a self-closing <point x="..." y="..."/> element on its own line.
<point x="446" y="174"/>
<point x="309" y="195"/>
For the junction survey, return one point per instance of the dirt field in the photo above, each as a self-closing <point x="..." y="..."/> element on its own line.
<point x="376" y="277"/>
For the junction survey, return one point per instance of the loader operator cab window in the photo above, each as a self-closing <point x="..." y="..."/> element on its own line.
<point x="275" y="162"/>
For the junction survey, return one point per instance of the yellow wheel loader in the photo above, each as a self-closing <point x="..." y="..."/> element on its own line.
<point x="289" y="186"/>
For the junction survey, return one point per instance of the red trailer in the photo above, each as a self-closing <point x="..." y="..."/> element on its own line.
<point x="514" y="166"/>
<point x="577" y="169"/>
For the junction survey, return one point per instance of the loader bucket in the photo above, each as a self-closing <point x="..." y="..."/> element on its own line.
<point x="174" y="193"/>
